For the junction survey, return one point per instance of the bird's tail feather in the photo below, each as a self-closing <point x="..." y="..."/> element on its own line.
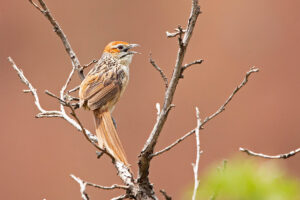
<point x="108" y="137"/>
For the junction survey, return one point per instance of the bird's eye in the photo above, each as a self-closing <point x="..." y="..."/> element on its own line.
<point x="120" y="47"/>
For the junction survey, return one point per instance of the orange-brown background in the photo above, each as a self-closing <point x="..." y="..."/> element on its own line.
<point x="37" y="155"/>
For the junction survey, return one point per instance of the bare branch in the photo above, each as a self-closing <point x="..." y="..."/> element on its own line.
<point x="280" y="156"/>
<point x="32" y="90"/>
<point x="167" y="197"/>
<point x="58" y="30"/>
<point x="176" y="33"/>
<point x="162" y="74"/>
<point x="114" y="186"/>
<point x="89" y="64"/>
<point x="73" y="113"/>
<point x="173" y="144"/>
<point x="196" y="164"/>
<point x="46" y="113"/>
<point x="28" y="84"/>
<point x="121" y="197"/>
<point x="145" y="155"/>
<point x="196" y="62"/>
<point x="82" y="185"/>
<point x="74" y="89"/>
<point x="26" y="91"/>
<point x="56" y="97"/>
<point x="221" y="109"/>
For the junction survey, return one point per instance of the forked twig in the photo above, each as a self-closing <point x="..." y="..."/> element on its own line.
<point x="184" y="38"/>
<point x="114" y="186"/>
<point x="221" y="109"/>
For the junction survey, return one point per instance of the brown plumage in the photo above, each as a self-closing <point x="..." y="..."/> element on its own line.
<point x="102" y="88"/>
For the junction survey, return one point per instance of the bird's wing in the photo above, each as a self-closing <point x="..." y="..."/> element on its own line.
<point x="100" y="87"/>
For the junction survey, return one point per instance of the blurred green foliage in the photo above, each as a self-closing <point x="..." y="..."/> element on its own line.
<point x="247" y="180"/>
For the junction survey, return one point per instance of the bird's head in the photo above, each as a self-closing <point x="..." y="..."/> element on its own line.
<point x="121" y="51"/>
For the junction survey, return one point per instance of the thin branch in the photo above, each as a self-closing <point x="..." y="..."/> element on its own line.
<point x="28" y="84"/>
<point x="64" y="87"/>
<point x="280" y="156"/>
<point x="121" y="197"/>
<point x="82" y="185"/>
<point x="58" y="30"/>
<point x="145" y="155"/>
<point x="174" y="34"/>
<point x="114" y="186"/>
<point x="89" y="64"/>
<point x="221" y="109"/>
<point x="173" y="144"/>
<point x="49" y="114"/>
<point x="46" y="113"/>
<point x="74" y="89"/>
<point x="196" y="164"/>
<point x="196" y="62"/>
<point x="56" y="97"/>
<point x="162" y="74"/>
<point x="167" y="197"/>
<point x="73" y="113"/>
<point x="32" y="90"/>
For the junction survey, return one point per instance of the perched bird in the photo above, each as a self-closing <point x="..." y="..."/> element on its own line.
<point x="101" y="90"/>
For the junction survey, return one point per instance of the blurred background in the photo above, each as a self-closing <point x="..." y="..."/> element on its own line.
<point x="38" y="155"/>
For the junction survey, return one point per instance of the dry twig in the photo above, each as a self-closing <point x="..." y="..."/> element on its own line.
<point x="121" y="197"/>
<point x="196" y="62"/>
<point x="145" y="155"/>
<point x="89" y="64"/>
<point x="114" y="186"/>
<point x="58" y="30"/>
<point x="196" y="164"/>
<point x="174" y="34"/>
<point x="163" y="76"/>
<point x="74" y="89"/>
<point x="221" y="109"/>
<point x="280" y="156"/>
<point x="82" y="185"/>
<point x="32" y="90"/>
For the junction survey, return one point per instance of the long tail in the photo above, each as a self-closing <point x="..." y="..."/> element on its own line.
<point x="108" y="137"/>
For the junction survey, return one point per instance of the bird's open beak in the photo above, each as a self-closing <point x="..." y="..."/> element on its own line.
<point x="130" y="46"/>
<point x="133" y="45"/>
